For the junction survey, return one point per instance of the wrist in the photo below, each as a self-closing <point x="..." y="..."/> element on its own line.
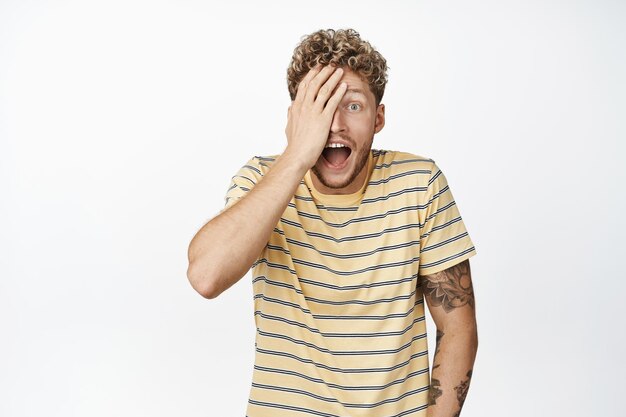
<point x="295" y="160"/>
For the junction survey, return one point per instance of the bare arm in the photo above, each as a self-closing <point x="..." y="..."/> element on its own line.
<point x="450" y="298"/>
<point x="223" y="250"/>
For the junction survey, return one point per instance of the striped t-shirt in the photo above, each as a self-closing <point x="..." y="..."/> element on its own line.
<point x="340" y="325"/>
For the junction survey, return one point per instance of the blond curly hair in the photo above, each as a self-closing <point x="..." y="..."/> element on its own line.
<point x="343" y="47"/>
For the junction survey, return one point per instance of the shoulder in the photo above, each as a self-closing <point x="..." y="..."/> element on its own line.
<point x="398" y="162"/>
<point x="259" y="165"/>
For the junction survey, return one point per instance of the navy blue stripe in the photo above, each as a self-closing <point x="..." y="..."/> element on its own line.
<point x="253" y="168"/>
<point x="339" y="335"/>
<point x="334" y="302"/>
<point x="440" y="209"/>
<point x="348" y="238"/>
<point x="296" y="306"/>
<point x="342" y="387"/>
<point x="333" y="271"/>
<point x="356" y="287"/>
<point x="292" y="408"/>
<point x="441" y="226"/>
<point x="444" y="260"/>
<point x="436" y="196"/>
<point x="434" y="177"/>
<point x="343" y="256"/>
<point x="364" y="201"/>
<point x="244" y="177"/>
<point x="360" y="302"/>
<point x="445" y="242"/>
<point x="355" y="220"/>
<point x="321" y="414"/>
<point x="334" y="369"/>
<point x="396" y="176"/>
<point x="334" y="400"/>
<point x="392" y="194"/>
<point x="343" y="287"/>
<point x="357" y="271"/>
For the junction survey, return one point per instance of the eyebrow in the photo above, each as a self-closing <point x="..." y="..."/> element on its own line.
<point x="355" y="91"/>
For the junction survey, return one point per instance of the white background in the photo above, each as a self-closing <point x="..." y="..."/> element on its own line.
<point x="121" y="123"/>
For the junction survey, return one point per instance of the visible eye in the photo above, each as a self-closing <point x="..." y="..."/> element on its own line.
<point x="354" y="107"/>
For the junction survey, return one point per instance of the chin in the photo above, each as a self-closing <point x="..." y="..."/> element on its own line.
<point x="334" y="184"/>
<point x="337" y="180"/>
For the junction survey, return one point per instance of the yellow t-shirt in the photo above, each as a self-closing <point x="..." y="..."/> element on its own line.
<point x="341" y="330"/>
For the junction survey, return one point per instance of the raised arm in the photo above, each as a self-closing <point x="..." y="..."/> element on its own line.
<point x="450" y="298"/>
<point x="223" y="250"/>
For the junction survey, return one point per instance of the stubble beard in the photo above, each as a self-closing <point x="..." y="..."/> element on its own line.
<point x="360" y="164"/>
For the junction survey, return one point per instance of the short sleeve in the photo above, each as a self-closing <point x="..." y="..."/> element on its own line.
<point x="444" y="240"/>
<point x="243" y="181"/>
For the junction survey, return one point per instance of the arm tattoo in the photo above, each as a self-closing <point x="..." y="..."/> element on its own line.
<point x="435" y="391"/>
<point x="461" y="391"/>
<point x="439" y="336"/>
<point x="450" y="288"/>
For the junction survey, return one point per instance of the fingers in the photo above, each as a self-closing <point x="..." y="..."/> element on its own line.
<point x="302" y="87"/>
<point x="316" y="83"/>
<point x="335" y="99"/>
<point x="327" y="89"/>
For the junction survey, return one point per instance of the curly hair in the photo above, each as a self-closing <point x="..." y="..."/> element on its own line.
<point x="343" y="48"/>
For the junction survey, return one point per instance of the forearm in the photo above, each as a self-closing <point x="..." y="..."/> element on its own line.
<point x="223" y="250"/>
<point x="452" y="371"/>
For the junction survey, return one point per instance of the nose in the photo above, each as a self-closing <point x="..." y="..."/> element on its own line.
<point x="337" y="124"/>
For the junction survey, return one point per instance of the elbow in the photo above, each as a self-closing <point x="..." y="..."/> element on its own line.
<point x="209" y="292"/>
<point x="201" y="281"/>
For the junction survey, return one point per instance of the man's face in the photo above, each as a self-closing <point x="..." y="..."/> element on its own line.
<point x="356" y="120"/>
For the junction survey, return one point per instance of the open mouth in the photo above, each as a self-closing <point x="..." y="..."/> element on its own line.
<point x="336" y="157"/>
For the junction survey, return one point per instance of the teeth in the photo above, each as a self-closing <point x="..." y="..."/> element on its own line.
<point x="336" y="145"/>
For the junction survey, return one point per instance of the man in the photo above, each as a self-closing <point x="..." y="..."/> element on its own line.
<point x="345" y="242"/>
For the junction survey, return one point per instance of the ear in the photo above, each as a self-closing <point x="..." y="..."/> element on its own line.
<point x="379" y="123"/>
